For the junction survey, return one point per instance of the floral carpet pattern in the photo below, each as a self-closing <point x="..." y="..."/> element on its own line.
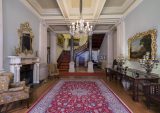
<point x="80" y="96"/>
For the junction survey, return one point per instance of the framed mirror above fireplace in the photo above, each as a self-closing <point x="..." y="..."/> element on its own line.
<point x="25" y="36"/>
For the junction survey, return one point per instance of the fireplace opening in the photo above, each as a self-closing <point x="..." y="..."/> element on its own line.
<point x="26" y="73"/>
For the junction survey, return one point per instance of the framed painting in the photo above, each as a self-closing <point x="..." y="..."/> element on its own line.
<point x="60" y="40"/>
<point x="75" y="42"/>
<point x="141" y="43"/>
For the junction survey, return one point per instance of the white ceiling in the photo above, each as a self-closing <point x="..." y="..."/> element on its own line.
<point x="102" y="14"/>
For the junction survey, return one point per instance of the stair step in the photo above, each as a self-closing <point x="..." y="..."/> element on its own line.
<point x="65" y="61"/>
<point x="63" y="70"/>
<point x="63" y="67"/>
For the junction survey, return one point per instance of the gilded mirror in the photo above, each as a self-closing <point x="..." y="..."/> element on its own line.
<point x="141" y="43"/>
<point x="26" y="36"/>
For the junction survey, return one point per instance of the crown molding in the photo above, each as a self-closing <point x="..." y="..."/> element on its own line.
<point x="100" y="31"/>
<point x="110" y="16"/>
<point x="56" y="22"/>
<point x="99" y="6"/>
<point x="63" y="7"/>
<point x="126" y="5"/>
<point x="35" y="5"/>
<point x="117" y="10"/>
<point x="132" y="7"/>
<point x="53" y="17"/>
<point x="50" y="12"/>
<point x="63" y="32"/>
<point x="28" y="5"/>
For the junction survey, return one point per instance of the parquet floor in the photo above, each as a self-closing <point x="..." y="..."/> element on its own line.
<point x="37" y="91"/>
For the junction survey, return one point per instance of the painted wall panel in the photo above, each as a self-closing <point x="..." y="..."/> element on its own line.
<point x="15" y="13"/>
<point x="143" y="18"/>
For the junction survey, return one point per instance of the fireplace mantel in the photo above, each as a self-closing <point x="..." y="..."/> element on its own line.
<point x="17" y="61"/>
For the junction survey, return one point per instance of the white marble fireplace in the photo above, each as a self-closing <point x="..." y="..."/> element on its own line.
<point x="16" y="62"/>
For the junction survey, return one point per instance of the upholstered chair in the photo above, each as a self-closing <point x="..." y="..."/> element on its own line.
<point x="11" y="92"/>
<point x="53" y="70"/>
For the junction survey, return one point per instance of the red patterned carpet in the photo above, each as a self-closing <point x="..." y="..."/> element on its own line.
<point x="79" y="96"/>
<point x="82" y="73"/>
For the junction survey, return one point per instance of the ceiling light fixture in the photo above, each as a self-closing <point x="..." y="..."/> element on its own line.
<point x="81" y="27"/>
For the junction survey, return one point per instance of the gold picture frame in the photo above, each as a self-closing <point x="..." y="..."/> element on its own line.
<point x="25" y="36"/>
<point x="60" y="40"/>
<point x="141" y="43"/>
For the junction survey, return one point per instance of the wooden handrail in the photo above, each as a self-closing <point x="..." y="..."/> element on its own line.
<point x="81" y="49"/>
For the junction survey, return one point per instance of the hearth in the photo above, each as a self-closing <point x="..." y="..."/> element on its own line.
<point x="26" y="73"/>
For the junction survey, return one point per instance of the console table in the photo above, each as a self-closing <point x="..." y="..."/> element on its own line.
<point x="136" y="77"/>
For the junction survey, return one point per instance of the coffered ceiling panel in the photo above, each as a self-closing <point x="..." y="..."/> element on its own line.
<point x="46" y="7"/>
<point x="114" y="3"/>
<point x="91" y="9"/>
<point x="76" y="3"/>
<point x="102" y="14"/>
<point x="48" y="4"/>
<point x="116" y="6"/>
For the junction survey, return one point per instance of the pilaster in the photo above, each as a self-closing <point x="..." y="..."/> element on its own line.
<point x="110" y="49"/>
<point x="1" y="37"/>
<point x="121" y="40"/>
<point x="43" y="42"/>
<point x="36" y="73"/>
<point x="53" y="47"/>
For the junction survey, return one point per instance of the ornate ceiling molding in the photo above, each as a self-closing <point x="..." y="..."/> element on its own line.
<point x="43" y="12"/>
<point x="96" y="12"/>
<point x="118" y="10"/>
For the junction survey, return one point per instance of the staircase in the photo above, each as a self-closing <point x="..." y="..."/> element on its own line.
<point x="97" y="40"/>
<point x="63" y="61"/>
<point x="81" y="49"/>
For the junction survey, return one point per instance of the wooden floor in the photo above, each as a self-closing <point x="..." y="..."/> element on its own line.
<point x="37" y="91"/>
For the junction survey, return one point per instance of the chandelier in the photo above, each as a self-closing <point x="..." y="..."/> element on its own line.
<point x="81" y="27"/>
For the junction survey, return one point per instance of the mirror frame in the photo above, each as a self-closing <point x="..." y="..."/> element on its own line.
<point x="24" y="29"/>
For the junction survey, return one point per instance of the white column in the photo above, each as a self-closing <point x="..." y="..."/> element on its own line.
<point x="18" y="67"/>
<point x="43" y="42"/>
<point x="72" y="64"/>
<point x="114" y="36"/>
<point x="15" y="69"/>
<point x="121" y="41"/>
<point x="1" y="36"/>
<point x="110" y="49"/>
<point x="90" y="63"/>
<point x="53" y="50"/>
<point x="36" y="73"/>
